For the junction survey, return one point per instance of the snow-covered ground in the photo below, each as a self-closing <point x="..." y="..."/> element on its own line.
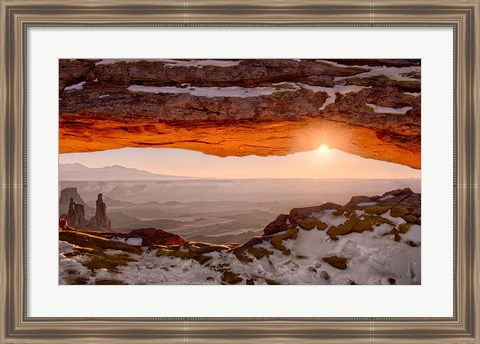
<point x="371" y="257"/>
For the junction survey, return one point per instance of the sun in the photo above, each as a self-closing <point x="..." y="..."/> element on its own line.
<point x="323" y="149"/>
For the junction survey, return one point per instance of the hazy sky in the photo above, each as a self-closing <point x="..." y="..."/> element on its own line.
<point x="320" y="163"/>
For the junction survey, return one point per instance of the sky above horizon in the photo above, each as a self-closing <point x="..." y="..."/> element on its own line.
<point x="322" y="163"/>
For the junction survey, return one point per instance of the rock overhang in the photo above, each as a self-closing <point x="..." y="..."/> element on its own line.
<point x="277" y="109"/>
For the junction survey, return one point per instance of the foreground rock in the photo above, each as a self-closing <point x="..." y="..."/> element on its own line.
<point x="360" y="214"/>
<point x="369" y="240"/>
<point x="147" y="236"/>
<point x="245" y="107"/>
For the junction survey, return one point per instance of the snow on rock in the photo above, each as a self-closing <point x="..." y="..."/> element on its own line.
<point x="393" y="73"/>
<point x="233" y="91"/>
<point x="201" y="63"/>
<point x="78" y="86"/>
<point x="71" y="268"/>
<point x="413" y="234"/>
<point x="351" y="244"/>
<point x="176" y="63"/>
<point x="329" y="218"/>
<point x="396" y="220"/>
<point x="366" y="204"/>
<point x="134" y="241"/>
<point x="332" y="92"/>
<point x="112" y="61"/>
<point x="129" y="241"/>
<point x="66" y="247"/>
<point x="413" y="94"/>
<point x="394" y="111"/>
<point x="248" y="92"/>
<point x="384" y="198"/>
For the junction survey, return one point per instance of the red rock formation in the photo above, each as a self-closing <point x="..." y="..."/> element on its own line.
<point x="150" y="236"/>
<point x="100" y="220"/>
<point x="155" y="236"/>
<point x="403" y="203"/>
<point x="66" y="195"/>
<point x="291" y="119"/>
<point x="75" y="215"/>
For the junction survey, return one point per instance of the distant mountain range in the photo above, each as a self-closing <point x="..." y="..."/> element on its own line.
<point x="79" y="172"/>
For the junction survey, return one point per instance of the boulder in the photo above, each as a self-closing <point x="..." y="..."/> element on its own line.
<point x="336" y="262"/>
<point x="280" y="224"/>
<point x="302" y="213"/>
<point x="155" y="236"/>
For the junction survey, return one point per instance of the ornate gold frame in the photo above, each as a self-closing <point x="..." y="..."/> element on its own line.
<point x="18" y="15"/>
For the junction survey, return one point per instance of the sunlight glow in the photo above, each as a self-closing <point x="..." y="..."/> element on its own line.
<point x="182" y="162"/>
<point x="323" y="149"/>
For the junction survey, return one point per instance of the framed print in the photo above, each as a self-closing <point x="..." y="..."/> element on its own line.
<point x="239" y="172"/>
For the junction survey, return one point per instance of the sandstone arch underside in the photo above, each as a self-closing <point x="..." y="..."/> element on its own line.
<point x="370" y="108"/>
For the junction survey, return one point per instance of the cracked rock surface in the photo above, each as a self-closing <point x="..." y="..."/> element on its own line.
<point x="370" y="108"/>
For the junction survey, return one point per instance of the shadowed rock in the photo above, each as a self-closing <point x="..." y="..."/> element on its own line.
<point x="72" y="193"/>
<point x="155" y="236"/>
<point x="100" y="220"/>
<point x="75" y="215"/>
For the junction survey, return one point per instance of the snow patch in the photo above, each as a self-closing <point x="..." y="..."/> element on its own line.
<point x="134" y="241"/>
<point x="176" y="63"/>
<point x="414" y="234"/>
<point x="201" y="63"/>
<point x="332" y="91"/>
<point x="78" y="86"/>
<point x="327" y="217"/>
<point x="393" y="73"/>
<point x="394" y="111"/>
<point x="110" y="252"/>
<point x="339" y="65"/>
<point x="382" y="229"/>
<point x="396" y="220"/>
<point x="112" y="61"/>
<point x="66" y="247"/>
<point x="129" y="241"/>
<point x="246" y="92"/>
<point x="366" y="204"/>
<point x="233" y="91"/>
<point x="413" y="94"/>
